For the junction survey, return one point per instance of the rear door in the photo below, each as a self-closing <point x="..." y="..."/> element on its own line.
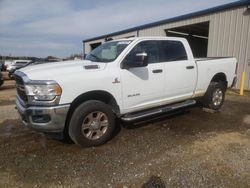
<point x="180" y="72"/>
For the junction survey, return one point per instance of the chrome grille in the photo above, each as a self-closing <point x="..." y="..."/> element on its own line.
<point x="20" y="88"/>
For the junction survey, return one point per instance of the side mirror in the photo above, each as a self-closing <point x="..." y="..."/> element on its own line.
<point x="136" y="60"/>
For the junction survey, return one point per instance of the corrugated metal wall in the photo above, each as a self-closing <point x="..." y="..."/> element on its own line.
<point x="229" y="35"/>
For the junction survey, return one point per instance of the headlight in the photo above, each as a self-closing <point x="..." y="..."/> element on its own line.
<point x="43" y="92"/>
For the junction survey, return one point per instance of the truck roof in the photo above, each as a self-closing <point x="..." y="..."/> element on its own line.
<point x="151" y="38"/>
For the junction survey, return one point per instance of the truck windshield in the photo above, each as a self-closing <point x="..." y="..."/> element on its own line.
<point x="108" y="51"/>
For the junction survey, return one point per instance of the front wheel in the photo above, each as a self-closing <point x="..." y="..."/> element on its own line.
<point x="215" y="95"/>
<point x="92" y="124"/>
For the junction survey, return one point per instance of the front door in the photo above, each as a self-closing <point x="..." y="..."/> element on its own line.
<point x="143" y="87"/>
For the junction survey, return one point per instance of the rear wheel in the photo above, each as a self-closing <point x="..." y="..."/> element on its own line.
<point x="92" y="124"/>
<point x="215" y="95"/>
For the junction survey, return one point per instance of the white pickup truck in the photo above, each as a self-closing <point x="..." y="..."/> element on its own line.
<point x="128" y="79"/>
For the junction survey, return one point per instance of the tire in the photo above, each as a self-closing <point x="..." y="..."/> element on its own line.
<point x="214" y="96"/>
<point x="92" y="124"/>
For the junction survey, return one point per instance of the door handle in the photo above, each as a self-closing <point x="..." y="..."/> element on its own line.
<point x="190" y="67"/>
<point x="157" y="71"/>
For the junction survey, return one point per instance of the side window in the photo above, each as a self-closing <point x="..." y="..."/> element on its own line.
<point x="149" y="47"/>
<point x="172" y="51"/>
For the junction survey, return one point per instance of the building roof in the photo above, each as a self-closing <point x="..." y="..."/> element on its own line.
<point x="175" y="19"/>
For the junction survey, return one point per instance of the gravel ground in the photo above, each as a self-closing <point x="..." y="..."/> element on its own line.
<point x="192" y="148"/>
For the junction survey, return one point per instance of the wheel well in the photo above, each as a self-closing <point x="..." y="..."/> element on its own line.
<point x="99" y="95"/>
<point x="220" y="77"/>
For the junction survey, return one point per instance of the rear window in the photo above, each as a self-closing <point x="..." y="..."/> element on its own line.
<point x="172" y="51"/>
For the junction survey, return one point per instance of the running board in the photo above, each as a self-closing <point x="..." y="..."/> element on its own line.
<point x="169" y="108"/>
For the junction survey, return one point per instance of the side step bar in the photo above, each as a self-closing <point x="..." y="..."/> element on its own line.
<point x="164" y="109"/>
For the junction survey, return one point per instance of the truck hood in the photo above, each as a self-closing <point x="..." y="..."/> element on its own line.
<point x="49" y="71"/>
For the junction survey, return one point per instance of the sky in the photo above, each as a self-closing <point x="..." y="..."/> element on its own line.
<point x="57" y="27"/>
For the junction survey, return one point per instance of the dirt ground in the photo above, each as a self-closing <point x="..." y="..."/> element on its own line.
<point x="192" y="148"/>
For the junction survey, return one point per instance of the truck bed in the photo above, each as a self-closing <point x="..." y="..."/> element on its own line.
<point x="208" y="67"/>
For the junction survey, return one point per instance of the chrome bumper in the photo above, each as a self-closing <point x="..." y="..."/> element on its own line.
<point x="44" y="119"/>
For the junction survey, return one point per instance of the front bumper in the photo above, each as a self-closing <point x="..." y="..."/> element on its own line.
<point x="44" y="119"/>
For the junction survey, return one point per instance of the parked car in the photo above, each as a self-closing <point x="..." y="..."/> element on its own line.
<point x="7" y="63"/>
<point x="130" y="79"/>
<point x="1" y="79"/>
<point x="18" y="64"/>
<point x="12" y="71"/>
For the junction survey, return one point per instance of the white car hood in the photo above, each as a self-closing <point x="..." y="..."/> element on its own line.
<point x="50" y="71"/>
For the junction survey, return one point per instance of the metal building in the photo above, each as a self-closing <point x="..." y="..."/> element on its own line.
<point x="218" y="31"/>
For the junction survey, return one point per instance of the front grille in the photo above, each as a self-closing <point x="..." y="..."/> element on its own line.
<point x="20" y="88"/>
